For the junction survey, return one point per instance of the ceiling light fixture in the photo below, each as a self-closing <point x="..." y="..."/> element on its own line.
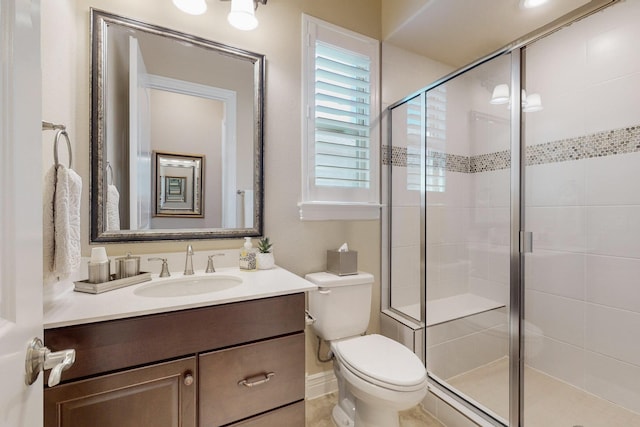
<point x="242" y="15"/>
<point x="530" y="4"/>
<point x="533" y="103"/>
<point x="192" y="7"/>
<point x="530" y="103"/>
<point x="500" y="95"/>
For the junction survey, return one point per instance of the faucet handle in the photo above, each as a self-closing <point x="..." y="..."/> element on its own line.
<point x="210" y="267"/>
<point x="165" y="266"/>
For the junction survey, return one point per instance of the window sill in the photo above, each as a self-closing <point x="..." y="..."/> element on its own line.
<point x="327" y="211"/>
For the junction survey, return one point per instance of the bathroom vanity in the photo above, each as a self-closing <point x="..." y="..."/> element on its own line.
<point x="233" y="357"/>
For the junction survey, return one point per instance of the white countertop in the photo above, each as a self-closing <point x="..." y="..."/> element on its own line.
<point x="64" y="307"/>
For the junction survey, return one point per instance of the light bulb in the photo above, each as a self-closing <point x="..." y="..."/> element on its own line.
<point x="530" y="4"/>
<point x="192" y="7"/>
<point x="242" y="15"/>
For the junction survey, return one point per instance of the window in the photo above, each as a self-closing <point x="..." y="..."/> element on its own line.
<point x="415" y="127"/>
<point x="340" y="123"/>
<point x="436" y="139"/>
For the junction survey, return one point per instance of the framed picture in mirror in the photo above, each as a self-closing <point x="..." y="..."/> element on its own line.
<point x="178" y="188"/>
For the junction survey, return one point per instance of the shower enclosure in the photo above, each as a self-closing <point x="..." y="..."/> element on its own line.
<point x="513" y="204"/>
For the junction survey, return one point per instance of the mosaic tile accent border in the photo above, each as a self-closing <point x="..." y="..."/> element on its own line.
<point x="400" y="156"/>
<point x="394" y="156"/>
<point x="455" y="162"/>
<point x="490" y="162"/>
<point x="599" y="144"/>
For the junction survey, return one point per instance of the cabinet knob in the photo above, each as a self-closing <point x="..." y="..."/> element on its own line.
<point x="188" y="378"/>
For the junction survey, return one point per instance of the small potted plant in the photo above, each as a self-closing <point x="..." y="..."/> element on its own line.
<point x="264" y="257"/>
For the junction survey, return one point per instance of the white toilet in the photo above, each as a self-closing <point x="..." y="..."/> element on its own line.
<point x="377" y="376"/>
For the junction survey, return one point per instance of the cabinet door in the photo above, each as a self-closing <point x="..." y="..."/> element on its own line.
<point x="243" y="381"/>
<point x="161" y="395"/>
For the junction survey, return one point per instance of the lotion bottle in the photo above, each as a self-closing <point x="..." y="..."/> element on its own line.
<point x="247" y="255"/>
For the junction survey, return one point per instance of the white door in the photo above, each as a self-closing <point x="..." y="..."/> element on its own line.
<point x="139" y="140"/>
<point x="20" y="209"/>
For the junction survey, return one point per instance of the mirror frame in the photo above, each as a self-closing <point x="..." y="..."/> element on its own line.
<point x="98" y="188"/>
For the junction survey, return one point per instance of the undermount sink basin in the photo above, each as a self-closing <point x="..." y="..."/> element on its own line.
<point x="185" y="286"/>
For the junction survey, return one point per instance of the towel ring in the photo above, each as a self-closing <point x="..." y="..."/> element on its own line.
<point x="55" y="146"/>
<point x="109" y="174"/>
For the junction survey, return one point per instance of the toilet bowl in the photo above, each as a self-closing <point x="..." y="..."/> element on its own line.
<point x="380" y="376"/>
<point x="377" y="376"/>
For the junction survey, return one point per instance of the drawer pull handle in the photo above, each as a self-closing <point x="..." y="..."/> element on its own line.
<point x="256" y="380"/>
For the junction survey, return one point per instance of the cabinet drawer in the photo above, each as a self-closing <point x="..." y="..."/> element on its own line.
<point x="224" y="398"/>
<point x="161" y="395"/>
<point x="292" y="415"/>
<point x="118" y="344"/>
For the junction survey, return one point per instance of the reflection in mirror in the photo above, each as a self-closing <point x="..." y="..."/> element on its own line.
<point x="155" y="90"/>
<point x="178" y="190"/>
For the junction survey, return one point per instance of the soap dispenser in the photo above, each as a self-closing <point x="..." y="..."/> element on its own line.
<point x="247" y="255"/>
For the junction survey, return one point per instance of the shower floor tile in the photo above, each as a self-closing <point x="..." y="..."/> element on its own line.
<point x="548" y="402"/>
<point x="319" y="414"/>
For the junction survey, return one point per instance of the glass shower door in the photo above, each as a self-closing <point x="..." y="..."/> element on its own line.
<point x="406" y="167"/>
<point x="582" y="309"/>
<point x="467" y="204"/>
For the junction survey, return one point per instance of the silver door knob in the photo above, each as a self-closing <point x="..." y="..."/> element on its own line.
<point x="40" y="358"/>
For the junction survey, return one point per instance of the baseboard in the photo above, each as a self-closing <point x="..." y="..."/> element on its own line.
<point x="320" y="384"/>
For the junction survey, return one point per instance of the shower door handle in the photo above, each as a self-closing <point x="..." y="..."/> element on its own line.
<point x="526" y="242"/>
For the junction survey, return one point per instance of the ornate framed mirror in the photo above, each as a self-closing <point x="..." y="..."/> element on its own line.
<point x="207" y="99"/>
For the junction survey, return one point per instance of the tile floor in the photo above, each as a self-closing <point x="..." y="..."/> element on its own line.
<point x="319" y="414"/>
<point x="548" y="402"/>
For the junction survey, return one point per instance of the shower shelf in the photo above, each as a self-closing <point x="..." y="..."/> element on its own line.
<point x="456" y="307"/>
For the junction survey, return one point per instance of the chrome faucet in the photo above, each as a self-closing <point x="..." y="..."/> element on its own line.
<point x="210" y="267"/>
<point x="165" y="267"/>
<point x="188" y="263"/>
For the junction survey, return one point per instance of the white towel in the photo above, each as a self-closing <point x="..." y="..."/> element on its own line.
<point x="61" y="227"/>
<point x="113" y="208"/>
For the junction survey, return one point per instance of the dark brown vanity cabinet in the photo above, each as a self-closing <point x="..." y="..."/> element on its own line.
<point x="158" y="395"/>
<point x="238" y="364"/>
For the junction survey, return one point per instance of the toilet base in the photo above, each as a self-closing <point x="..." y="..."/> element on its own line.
<point x="365" y="416"/>
<point x="341" y="418"/>
<point x="375" y="416"/>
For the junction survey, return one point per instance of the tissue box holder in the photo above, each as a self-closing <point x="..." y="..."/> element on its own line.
<point x="342" y="263"/>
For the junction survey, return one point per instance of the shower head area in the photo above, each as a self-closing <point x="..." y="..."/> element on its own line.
<point x="511" y="229"/>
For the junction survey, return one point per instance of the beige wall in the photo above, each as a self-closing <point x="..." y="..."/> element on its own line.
<point x="404" y="73"/>
<point x="299" y="246"/>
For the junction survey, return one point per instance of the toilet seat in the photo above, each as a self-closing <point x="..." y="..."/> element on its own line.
<point x="381" y="361"/>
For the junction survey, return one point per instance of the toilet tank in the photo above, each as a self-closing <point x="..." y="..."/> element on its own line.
<point x="341" y="305"/>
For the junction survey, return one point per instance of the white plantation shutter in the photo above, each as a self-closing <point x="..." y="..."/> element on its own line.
<point x="340" y="152"/>
<point x="342" y="112"/>
<point x="436" y="137"/>
<point x="415" y="127"/>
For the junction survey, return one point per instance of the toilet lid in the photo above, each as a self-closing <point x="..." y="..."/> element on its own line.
<point x="382" y="360"/>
